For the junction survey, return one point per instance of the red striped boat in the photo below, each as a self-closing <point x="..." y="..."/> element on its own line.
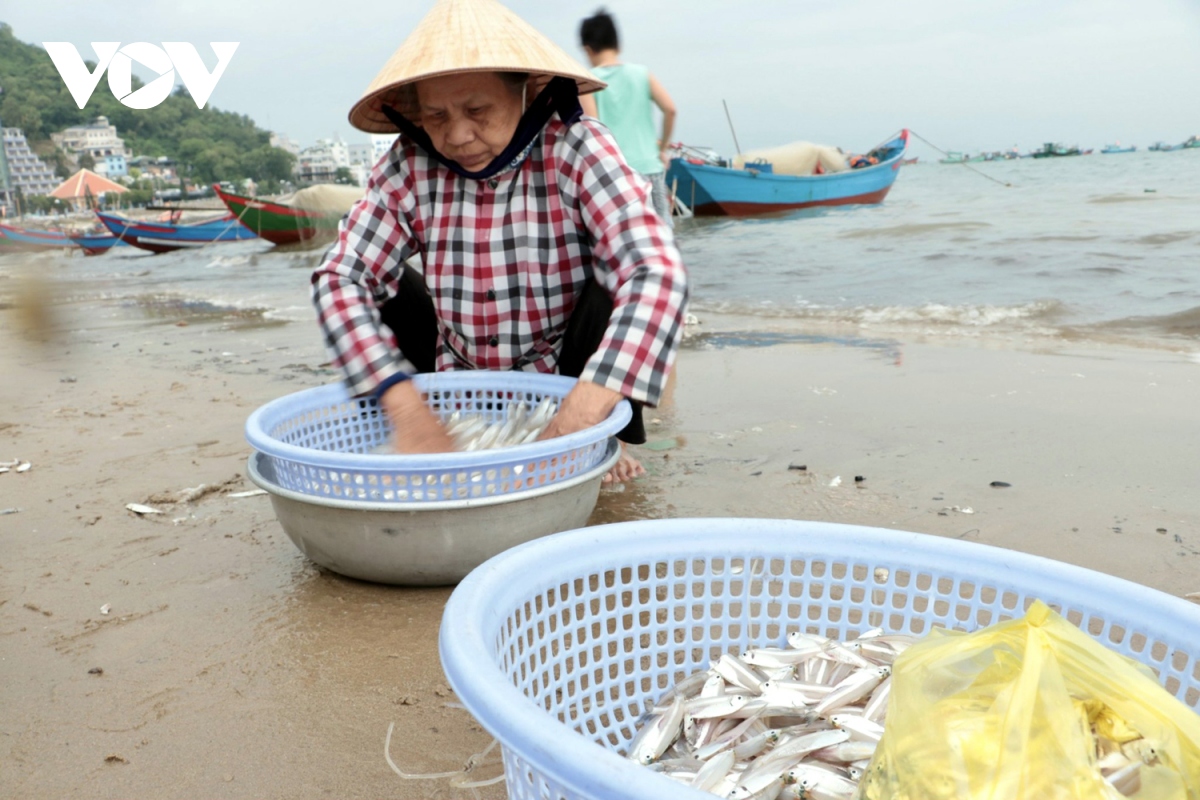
<point x="14" y="238"/>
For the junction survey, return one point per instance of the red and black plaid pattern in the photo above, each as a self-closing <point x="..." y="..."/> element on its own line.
<point x="505" y="260"/>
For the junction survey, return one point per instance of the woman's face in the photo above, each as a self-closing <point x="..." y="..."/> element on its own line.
<point x="470" y="117"/>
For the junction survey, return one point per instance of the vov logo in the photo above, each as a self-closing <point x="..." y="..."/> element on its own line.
<point x="119" y="60"/>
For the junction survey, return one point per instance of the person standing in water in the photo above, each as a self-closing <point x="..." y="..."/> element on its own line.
<point x="625" y="106"/>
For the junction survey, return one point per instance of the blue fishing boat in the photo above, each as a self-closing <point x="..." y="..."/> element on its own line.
<point x="14" y="238"/>
<point x="163" y="237"/>
<point x="713" y="189"/>
<point x="95" y="244"/>
<point x="1109" y="149"/>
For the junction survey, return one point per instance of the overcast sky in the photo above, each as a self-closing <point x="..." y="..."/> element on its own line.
<point x="966" y="74"/>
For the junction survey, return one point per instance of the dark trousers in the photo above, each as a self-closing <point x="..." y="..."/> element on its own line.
<point x="411" y="317"/>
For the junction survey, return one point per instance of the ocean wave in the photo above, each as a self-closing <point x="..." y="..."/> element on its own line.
<point x="1123" y="198"/>
<point x="928" y="315"/>
<point x="913" y="229"/>
<point x="1185" y="324"/>
<point x="1155" y="239"/>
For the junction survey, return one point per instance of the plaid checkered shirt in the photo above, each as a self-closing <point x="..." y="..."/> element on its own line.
<point x="505" y="261"/>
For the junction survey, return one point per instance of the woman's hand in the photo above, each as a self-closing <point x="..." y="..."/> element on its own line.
<point x="415" y="429"/>
<point x="585" y="405"/>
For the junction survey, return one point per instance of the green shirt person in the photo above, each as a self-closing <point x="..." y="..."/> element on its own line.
<point x="625" y="106"/>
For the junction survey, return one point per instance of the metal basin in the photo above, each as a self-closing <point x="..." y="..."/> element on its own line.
<point x="434" y="544"/>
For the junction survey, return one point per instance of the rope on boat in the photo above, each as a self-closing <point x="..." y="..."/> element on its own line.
<point x="963" y="163"/>
<point x="236" y="220"/>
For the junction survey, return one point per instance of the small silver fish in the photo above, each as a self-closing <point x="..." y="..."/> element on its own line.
<point x="712" y="707"/>
<point x="739" y="674"/>
<point x="714" y="771"/>
<point x="860" y="729"/>
<point x="854" y="688"/>
<point x="656" y="736"/>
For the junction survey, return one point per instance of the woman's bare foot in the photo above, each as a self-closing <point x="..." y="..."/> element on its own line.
<point x="627" y="468"/>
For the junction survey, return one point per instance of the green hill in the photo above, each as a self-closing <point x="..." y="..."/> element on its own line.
<point x="217" y="145"/>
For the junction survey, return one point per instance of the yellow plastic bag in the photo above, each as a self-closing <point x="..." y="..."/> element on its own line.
<point x="1014" y="711"/>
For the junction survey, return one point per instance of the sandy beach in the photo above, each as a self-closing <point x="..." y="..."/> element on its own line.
<point x="228" y="666"/>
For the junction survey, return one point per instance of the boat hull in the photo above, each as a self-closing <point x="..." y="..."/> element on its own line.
<point x="96" y="244"/>
<point x="278" y="223"/>
<point x="164" y="237"/>
<point x="723" y="191"/>
<point x="13" y="238"/>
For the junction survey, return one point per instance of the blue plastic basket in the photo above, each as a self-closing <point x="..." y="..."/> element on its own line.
<point x="561" y="644"/>
<point x="319" y="442"/>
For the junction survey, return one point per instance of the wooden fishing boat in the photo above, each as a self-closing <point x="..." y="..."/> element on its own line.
<point x="163" y="237"/>
<point x="714" y="189"/>
<point x="278" y="222"/>
<point x="95" y="244"/>
<point x="1055" y="150"/>
<point x="13" y="238"/>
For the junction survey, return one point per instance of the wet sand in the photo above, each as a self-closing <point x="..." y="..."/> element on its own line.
<point x="234" y="668"/>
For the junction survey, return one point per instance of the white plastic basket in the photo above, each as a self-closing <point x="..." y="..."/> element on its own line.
<point x="561" y="644"/>
<point x="319" y="442"/>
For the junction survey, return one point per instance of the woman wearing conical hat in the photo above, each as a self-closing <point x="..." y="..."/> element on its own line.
<point x="537" y="244"/>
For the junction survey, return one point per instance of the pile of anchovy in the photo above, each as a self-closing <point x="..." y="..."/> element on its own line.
<point x="521" y="425"/>
<point x="795" y="722"/>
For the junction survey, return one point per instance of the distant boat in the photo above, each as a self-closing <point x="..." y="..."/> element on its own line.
<point x="1163" y="147"/>
<point x="1109" y="149"/>
<point x="279" y="222"/>
<point x="163" y="237"/>
<point x="1055" y="150"/>
<point x="953" y="157"/>
<point x="908" y="162"/>
<point x="95" y="244"/>
<point x="711" y="190"/>
<point x="13" y="238"/>
<point x="1192" y="143"/>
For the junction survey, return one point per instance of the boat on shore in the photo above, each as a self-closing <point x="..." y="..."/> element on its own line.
<point x="95" y="244"/>
<point x="163" y="237"/>
<point x="712" y="188"/>
<point x="13" y="239"/>
<point x="281" y="222"/>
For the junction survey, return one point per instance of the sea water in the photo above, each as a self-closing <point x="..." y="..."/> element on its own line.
<point x="1090" y="245"/>
<point x="1099" y="246"/>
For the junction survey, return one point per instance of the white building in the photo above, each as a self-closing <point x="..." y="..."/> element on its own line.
<point x="98" y="139"/>
<point x="362" y="153"/>
<point x="381" y="143"/>
<point x="26" y="171"/>
<point x="320" y="163"/>
<point x="282" y="141"/>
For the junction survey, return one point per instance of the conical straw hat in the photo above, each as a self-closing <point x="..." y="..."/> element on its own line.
<point x="464" y="36"/>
